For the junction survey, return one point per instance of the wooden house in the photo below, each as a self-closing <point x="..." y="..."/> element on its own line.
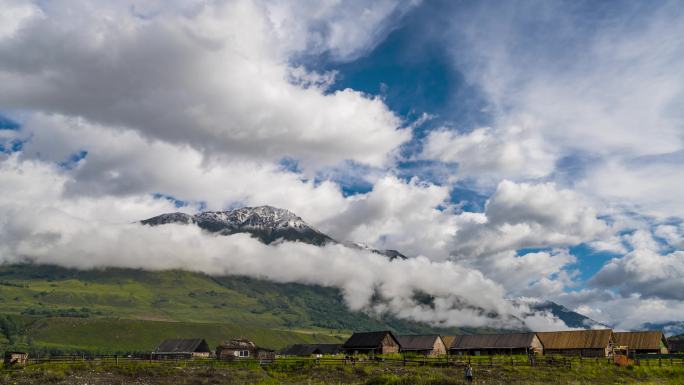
<point x="182" y="348"/>
<point x="490" y="344"/>
<point x="15" y="359"/>
<point x="316" y="350"/>
<point x="646" y="342"/>
<point x="383" y="342"/>
<point x="585" y="343"/>
<point x="242" y="348"/>
<point x="427" y="345"/>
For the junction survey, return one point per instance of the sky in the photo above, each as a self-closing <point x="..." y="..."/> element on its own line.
<point x="528" y="150"/>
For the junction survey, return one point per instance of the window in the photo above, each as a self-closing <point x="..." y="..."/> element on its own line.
<point x="244" y="353"/>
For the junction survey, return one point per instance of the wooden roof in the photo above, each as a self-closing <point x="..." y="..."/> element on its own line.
<point x="190" y="345"/>
<point x="368" y="340"/>
<point x="576" y="339"/>
<point x="425" y="342"/>
<point x="493" y="341"/>
<point x="448" y="340"/>
<point x="648" y="340"/>
<point x="238" y="343"/>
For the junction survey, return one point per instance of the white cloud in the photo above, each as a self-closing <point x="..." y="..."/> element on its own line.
<point x="597" y="87"/>
<point x="42" y="225"/>
<point x="646" y="187"/>
<point x="645" y="271"/>
<point x="623" y="313"/>
<point x="215" y="76"/>
<point x="492" y="153"/>
<point x="398" y="215"/>
<point x="520" y="215"/>
<point x="13" y="14"/>
<point x="123" y="163"/>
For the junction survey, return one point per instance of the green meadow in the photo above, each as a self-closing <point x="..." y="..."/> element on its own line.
<point x="306" y="372"/>
<point x="117" y="310"/>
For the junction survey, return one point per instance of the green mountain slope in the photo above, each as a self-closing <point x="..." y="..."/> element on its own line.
<point x="124" y="309"/>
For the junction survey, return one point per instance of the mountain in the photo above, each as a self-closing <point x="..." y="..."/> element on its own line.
<point x="671" y="328"/>
<point x="571" y="318"/>
<point x="111" y="310"/>
<point x="266" y="223"/>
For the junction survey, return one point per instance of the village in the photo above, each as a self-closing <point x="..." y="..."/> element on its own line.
<point x="622" y="347"/>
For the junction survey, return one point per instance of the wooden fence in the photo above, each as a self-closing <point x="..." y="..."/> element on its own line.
<point x="396" y="360"/>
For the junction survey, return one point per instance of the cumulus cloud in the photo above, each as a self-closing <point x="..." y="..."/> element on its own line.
<point x="520" y="215"/>
<point x="202" y="100"/>
<point x="123" y="163"/>
<point x="645" y="271"/>
<point x="648" y="186"/>
<point x="216" y="76"/>
<point x="41" y="225"/>
<point x="622" y="313"/>
<point x="399" y="215"/>
<point x="492" y="153"/>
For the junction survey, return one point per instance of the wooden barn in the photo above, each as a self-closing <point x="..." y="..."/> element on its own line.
<point x="427" y="345"/>
<point x="182" y="348"/>
<point x="316" y="350"/>
<point x="490" y="344"/>
<point x="242" y="348"/>
<point x="15" y="359"/>
<point x="585" y="343"/>
<point x="676" y="345"/>
<point x="383" y="342"/>
<point x="647" y="342"/>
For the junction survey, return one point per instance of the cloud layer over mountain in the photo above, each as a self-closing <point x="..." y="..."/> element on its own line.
<point x="568" y="189"/>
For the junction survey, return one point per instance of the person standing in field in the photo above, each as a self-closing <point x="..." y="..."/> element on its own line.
<point x="468" y="372"/>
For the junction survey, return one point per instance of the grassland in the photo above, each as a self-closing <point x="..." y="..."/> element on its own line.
<point x="177" y="373"/>
<point x="114" y="310"/>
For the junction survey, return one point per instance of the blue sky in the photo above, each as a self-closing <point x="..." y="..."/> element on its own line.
<point x="535" y="144"/>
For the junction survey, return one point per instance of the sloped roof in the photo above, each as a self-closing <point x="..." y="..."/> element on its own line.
<point x="309" y="349"/>
<point x="576" y="339"/>
<point x="448" y="340"/>
<point x="238" y="343"/>
<point x="191" y="345"/>
<point x="367" y="340"/>
<point x="647" y="340"/>
<point x="493" y="341"/>
<point x="426" y="342"/>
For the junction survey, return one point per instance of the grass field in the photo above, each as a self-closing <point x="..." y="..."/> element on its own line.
<point x="116" y="310"/>
<point x="121" y="335"/>
<point x="183" y="296"/>
<point x="122" y="310"/>
<point x="213" y="372"/>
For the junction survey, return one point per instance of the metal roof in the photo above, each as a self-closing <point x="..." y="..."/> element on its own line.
<point x="492" y="341"/>
<point x="367" y="340"/>
<point x="576" y="339"/>
<point x="426" y="342"/>
<point x="647" y="340"/>
<point x="191" y="345"/>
